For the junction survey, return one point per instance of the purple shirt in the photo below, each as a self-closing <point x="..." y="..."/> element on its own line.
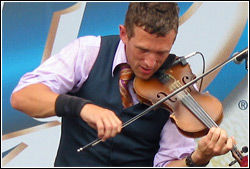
<point x="68" y="70"/>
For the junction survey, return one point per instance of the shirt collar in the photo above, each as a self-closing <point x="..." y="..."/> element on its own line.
<point x="120" y="56"/>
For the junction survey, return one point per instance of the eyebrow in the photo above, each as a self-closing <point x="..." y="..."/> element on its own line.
<point x="163" y="51"/>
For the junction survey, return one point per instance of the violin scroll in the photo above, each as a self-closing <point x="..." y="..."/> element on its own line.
<point x="242" y="160"/>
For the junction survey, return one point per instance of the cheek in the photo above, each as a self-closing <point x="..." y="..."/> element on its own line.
<point x="133" y="56"/>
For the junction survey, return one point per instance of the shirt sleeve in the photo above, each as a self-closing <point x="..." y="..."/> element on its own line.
<point x="173" y="145"/>
<point x="67" y="70"/>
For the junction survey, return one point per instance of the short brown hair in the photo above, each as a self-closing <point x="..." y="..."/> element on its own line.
<point x="154" y="17"/>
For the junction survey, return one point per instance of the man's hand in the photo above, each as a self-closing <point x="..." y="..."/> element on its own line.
<point x="215" y="143"/>
<point x="103" y="120"/>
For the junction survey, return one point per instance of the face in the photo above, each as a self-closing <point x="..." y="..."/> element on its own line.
<point x="146" y="52"/>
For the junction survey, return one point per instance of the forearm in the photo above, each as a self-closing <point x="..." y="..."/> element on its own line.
<point x="195" y="160"/>
<point x="36" y="100"/>
<point x="215" y="143"/>
<point x="177" y="163"/>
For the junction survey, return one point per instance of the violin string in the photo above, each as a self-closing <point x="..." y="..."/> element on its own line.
<point x="190" y="102"/>
<point x="198" y="111"/>
<point x="209" y="122"/>
<point x="237" y="153"/>
<point x="191" y="107"/>
<point x="205" y="118"/>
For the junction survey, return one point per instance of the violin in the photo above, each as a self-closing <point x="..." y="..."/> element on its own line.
<point x="191" y="110"/>
<point x="193" y="113"/>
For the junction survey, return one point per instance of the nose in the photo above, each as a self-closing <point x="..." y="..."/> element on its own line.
<point x="150" y="60"/>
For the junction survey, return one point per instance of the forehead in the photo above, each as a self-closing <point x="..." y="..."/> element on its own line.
<point x="149" y="41"/>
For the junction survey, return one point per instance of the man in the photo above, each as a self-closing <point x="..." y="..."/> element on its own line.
<point x="81" y="85"/>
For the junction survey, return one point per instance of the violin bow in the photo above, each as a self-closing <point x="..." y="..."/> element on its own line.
<point x="243" y="161"/>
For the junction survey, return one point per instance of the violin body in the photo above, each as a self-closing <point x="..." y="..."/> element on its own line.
<point x="189" y="124"/>
<point x="193" y="112"/>
<point x="152" y="90"/>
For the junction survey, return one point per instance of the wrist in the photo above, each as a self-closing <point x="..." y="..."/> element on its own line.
<point x="190" y="162"/>
<point x="71" y="106"/>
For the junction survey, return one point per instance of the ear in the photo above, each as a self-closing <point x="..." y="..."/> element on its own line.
<point x="123" y="34"/>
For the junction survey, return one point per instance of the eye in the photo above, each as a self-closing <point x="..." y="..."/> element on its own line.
<point x="143" y="50"/>
<point x="163" y="53"/>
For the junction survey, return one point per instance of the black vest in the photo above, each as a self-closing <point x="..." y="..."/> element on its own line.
<point x="136" y="145"/>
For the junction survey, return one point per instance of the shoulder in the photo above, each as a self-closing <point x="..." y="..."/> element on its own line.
<point x="91" y="41"/>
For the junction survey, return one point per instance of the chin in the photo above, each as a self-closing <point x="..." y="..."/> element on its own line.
<point x="143" y="77"/>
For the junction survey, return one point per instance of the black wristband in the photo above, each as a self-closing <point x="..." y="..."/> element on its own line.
<point x="190" y="163"/>
<point x="67" y="105"/>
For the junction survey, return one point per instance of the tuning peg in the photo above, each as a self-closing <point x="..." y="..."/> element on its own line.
<point x="244" y="149"/>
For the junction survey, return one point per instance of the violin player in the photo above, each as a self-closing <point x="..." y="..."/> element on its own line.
<point x="82" y="85"/>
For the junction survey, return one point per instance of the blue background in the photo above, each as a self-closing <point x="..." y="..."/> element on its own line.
<point x="25" y="28"/>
